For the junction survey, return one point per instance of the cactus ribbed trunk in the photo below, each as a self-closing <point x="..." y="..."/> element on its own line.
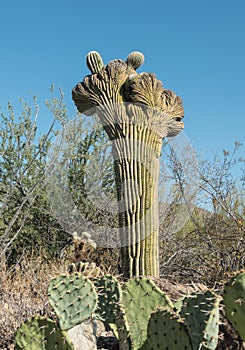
<point x="136" y="164"/>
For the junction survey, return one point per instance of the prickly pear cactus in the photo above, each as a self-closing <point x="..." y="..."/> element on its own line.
<point x="121" y="329"/>
<point x="88" y="269"/>
<point x="234" y="301"/>
<point x="167" y="331"/>
<point x="179" y="303"/>
<point x="109" y="295"/>
<point x="140" y="298"/>
<point x="40" y="333"/>
<point x="200" y="312"/>
<point x="73" y="299"/>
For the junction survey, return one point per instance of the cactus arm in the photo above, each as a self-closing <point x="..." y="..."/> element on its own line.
<point x="135" y="60"/>
<point x="94" y="62"/>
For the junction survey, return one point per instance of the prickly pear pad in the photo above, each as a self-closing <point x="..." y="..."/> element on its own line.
<point x="109" y="294"/>
<point x="121" y="330"/>
<point x="73" y="299"/>
<point x="234" y="300"/>
<point x="140" y="298"/>
<point x="40" y="333"/>
<point x="167" y="331"/>
<point x="201" y="314"/>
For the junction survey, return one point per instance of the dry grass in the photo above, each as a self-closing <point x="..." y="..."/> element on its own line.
<point x="23" y="294"/>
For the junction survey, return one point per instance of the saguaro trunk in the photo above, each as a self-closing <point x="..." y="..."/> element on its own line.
<point x="136" y="164"/>
<point x="137" y="113"/>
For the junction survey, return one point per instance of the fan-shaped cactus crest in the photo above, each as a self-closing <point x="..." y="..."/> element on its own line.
<point x="137" y="113"/>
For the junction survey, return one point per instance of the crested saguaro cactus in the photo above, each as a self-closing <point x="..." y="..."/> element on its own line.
<point x="137" y="113"/>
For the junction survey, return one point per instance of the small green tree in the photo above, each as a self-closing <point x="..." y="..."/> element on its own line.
<point x="27" y="224"/>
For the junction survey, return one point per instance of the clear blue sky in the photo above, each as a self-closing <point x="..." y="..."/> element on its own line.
<point x="196" y="48"/>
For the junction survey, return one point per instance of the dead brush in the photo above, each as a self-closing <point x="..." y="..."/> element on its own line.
<point x="23" y="294"/>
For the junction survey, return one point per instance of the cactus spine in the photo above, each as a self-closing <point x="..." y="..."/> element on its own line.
<point x="88" y="269"/>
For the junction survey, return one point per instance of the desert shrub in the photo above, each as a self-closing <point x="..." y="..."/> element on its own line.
<point x="211" y="243"/>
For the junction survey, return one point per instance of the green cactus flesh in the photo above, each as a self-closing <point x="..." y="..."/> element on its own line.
<point x="135" y="59"/>
<point x="179" y="303"/>
<point x="140" y="298"/>
<point x="109" y="294"/>
<point x="121" y="329"/>
<point x="234" y="300"/>
<point x="201" y="314"/>
<point x="94" y="62"/>
<point x="73" y="299"/>
<point x="167" y="331"/>
<point x="40" y="333"/>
